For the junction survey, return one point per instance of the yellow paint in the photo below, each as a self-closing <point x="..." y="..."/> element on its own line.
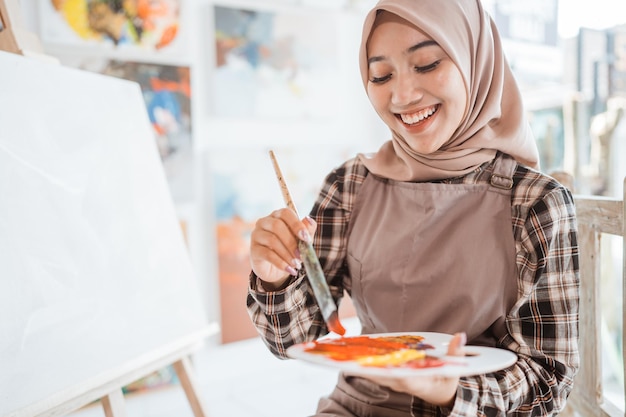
<point x="75" y="14"/>
<point x="392" y="359"/>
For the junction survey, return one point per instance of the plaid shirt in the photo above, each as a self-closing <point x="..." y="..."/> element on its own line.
<point x="542" y="325"/>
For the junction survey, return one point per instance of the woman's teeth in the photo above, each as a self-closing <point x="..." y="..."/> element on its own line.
<point x="419" y="116"/>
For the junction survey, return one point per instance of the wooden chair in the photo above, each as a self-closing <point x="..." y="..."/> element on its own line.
<point x="596" y="215"/>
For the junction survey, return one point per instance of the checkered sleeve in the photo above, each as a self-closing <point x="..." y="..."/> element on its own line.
<point x="291" y="315"/>
<point x="543" y="324"/>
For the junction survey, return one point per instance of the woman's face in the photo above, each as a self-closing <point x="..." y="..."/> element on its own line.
<point x="413" y="84"/>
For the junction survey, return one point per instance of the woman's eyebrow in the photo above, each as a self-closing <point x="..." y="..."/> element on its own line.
<point x="423" y="44"/>
<point x="409" y="50"/>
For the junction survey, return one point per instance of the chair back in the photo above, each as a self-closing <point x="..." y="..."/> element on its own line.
<point x="596" y="216"/>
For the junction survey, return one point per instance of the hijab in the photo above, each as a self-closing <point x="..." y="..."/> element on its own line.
<point x="494" y="120"/>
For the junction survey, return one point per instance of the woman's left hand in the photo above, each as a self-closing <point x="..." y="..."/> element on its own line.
<point x="436" y="390"/>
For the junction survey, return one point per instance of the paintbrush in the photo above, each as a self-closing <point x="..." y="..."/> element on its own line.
<point x="312" y="265"/>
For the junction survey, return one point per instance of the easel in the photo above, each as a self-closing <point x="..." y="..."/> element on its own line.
<point x="113" y="402"/>
<point x="108" y="388"/>
<point x="13" y="36"/>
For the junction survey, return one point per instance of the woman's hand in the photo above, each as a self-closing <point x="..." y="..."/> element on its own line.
<point x="274" y="254"/>
<point x="436" y="390"/>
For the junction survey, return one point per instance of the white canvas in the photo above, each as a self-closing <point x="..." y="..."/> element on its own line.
<point x="94" y="272"/>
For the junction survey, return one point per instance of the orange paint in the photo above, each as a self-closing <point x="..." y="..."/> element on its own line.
<point x="360" y="347"/>
<point x="350" y="348"/>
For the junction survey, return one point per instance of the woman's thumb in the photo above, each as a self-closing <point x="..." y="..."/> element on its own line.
<point x="456" y="347"/>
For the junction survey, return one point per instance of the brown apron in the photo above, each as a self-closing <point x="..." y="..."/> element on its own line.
<point x="430" y="257"/>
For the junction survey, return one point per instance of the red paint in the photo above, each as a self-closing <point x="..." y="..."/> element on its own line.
<point x="334" y="325"/>
<point x="427" y="362"/>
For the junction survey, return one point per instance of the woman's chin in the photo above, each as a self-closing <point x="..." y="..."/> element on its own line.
<point x="423" y="149"/>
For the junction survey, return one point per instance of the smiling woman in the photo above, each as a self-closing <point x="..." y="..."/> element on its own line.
<point x="456" y="170"/>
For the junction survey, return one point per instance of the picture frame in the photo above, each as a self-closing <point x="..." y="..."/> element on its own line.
<point x="113" y="28"/>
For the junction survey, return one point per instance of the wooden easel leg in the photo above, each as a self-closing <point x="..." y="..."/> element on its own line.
<point x="113" y="404"/>
<point x="185" y="374"/>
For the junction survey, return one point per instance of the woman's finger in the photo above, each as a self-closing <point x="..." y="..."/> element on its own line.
<point x="457" y="345"/>
<point x="273" y="248"/>
<point x="310" y="224"/>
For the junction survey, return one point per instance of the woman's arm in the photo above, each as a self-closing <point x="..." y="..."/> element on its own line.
<point x="290" y="315"/>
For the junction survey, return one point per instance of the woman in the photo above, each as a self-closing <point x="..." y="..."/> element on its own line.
<point x="449" y="227"/>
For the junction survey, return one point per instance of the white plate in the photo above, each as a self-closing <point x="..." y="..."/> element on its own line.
<point x="478" y="359"/>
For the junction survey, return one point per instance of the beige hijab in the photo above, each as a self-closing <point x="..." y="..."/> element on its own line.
<point x="494" y="120"/>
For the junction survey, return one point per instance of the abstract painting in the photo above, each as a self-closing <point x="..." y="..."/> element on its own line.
<point x="148" y="24"/>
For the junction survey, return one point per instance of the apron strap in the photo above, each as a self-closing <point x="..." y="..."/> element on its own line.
<point x="503" y="171"/>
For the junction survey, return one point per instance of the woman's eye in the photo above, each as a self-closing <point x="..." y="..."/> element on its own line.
<point x="418" y="69"/>
<point x="427" y="68"/>
<point x="378" y="80"/>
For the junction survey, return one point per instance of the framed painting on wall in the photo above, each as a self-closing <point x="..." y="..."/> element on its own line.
<point x="274" y="64"/>
<point x="137" y="25"/>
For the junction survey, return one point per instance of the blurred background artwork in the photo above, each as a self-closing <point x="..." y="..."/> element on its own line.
<point x="167" y="92"/>
<point x="150" y="24"/>
<point x="274" y="64"/>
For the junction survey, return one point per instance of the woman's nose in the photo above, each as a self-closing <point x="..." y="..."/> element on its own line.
<point x="406" y="90"/>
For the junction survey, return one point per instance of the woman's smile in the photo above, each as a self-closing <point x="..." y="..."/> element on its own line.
<point x="419" y="116"/>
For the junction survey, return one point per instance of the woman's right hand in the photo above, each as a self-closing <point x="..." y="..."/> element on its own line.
<point x="274" y="254"/>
